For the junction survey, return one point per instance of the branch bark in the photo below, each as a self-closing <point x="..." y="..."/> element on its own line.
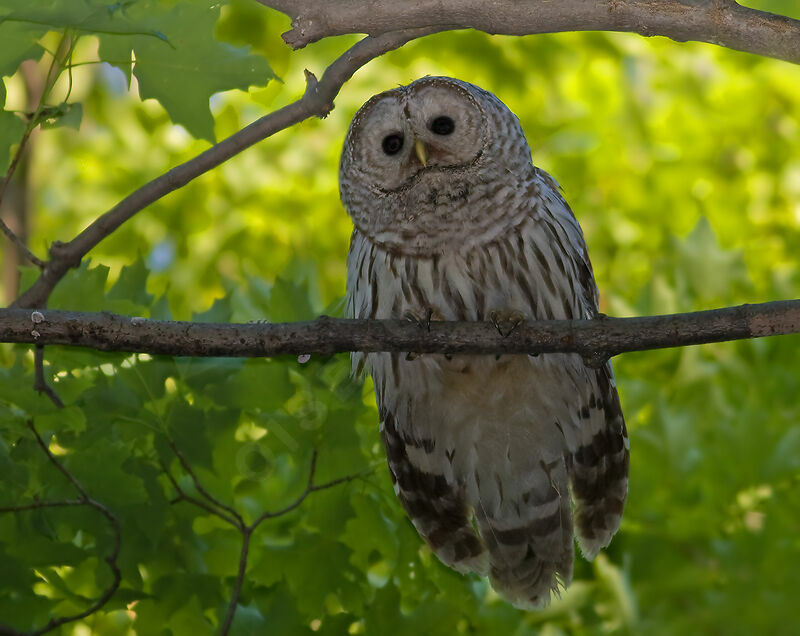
<point x="317" y="101"/>
<point x="721" y="22"/>
<point x="595" y="340"/>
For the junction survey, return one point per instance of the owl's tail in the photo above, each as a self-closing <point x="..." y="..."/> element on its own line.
<point x="530" y="540"/>
<point x="598" y="469"/>
<point x="435" y="505"/>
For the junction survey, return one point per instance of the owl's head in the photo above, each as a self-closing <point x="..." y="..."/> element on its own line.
<point x="421" y="158"/>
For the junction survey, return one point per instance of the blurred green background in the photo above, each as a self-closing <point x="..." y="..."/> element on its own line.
<point x="682" y="163"/>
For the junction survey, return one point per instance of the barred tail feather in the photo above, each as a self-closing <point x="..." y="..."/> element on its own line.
<point x="531" y="553"/>
<point x="599" y="472"/>
<point x="435" y="505"/>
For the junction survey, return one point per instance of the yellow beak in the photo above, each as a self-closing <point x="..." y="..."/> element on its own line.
<point x="422" y="152"/>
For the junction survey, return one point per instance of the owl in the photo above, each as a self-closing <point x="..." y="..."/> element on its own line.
<point x="497" y="460"/>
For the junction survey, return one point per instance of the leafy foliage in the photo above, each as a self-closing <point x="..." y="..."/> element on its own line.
<point x="680" y="162"/>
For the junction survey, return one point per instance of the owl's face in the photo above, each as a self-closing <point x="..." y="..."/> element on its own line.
<point x="427" y="127"/>
<point x="422" y="164"/>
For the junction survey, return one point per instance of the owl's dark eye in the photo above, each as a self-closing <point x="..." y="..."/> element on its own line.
<point x="443" y="125"/>
<point x="392" y="144"/>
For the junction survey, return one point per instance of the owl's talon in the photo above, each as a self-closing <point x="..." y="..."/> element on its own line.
<point x="595" y="359"/>
<point x="514" y="317"/>
<point x="424" y="323"/>
<point x="411" y="356"/>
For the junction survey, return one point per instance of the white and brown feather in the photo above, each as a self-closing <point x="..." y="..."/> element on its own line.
<point x="483" y="452"/>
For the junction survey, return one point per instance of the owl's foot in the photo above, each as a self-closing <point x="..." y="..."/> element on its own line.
<point x="502" y="319"/>
<point x="595" y="359"/>
<point x="424" y="323"/>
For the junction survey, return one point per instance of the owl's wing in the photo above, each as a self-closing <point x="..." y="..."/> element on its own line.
<point x="434" y="501"/>
<point x="599" y="454"/>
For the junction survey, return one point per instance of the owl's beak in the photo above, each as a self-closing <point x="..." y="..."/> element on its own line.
<point x="421" y="150"/>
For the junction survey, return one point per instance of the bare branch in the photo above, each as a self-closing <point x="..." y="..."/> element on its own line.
<point x="722" y="22"/>
<point x="248" y="532"/>
<point x="593" y="339"/>
<point x="317" y="101"/>
<point x="232" y="516"/>
<point x="16" y="240"/>
<point x="237" y="586"/>
<point x="110" y="559"/>
<point x="182" y="496"/>
<point x="40" y="384"/>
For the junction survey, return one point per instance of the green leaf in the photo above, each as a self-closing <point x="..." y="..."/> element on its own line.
<point x="188" y="428"/>
<point x="288" y="302"/>
<point x="220" y="311"/>
<point x="102" y="469"/>
<point x="70" y="418"/>
<point x="19" y="43"/>
<point x="373" y="540"/>
<point x="185" y="71"/>
<point x="260" y="384"/>
<point x="66" y="115"/>
<point x="82" y="289"/>
<point x="11" y="130"/>
<point x="132" y="284"/>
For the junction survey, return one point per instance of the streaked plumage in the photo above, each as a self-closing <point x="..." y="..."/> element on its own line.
<point x="482" y="451"/>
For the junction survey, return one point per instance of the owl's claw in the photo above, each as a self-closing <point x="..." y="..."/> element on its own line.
<point x="424" y="323"/>
<point x="595" y="359"/>
<point x="514" y="317"/>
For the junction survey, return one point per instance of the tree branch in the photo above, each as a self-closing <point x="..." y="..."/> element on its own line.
<point x="231" y="516"/>
<point x="10" y="235"/>
<point x="111" y="559"/>
<point x="593" y="339"/>
<point x="317" y="101"/>
<point x="247" y="533"/>
<point x="722" y="22"/>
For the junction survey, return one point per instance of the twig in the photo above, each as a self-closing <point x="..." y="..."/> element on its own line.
<point x="53" y="72"/>
<point x="40" y="383"/>
<point x="235" y="518"/>
<point x="232" y="517"/>
<point x="182" y="496"/>
<point x="603" y="337"/>
<point x="3" y="186"/>
<point x="237" y="585"/>
<point x="110" y="559"/>
<point x="721" y="22"/>
<point x="316" y="101"/>
<point x="247" y="532"/>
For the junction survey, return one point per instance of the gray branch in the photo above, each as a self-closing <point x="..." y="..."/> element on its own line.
<point x="721" y="22"/>
<point x="595" y="340"/>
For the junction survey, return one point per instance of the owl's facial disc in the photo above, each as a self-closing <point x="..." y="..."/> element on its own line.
<point x="406" y="134"/>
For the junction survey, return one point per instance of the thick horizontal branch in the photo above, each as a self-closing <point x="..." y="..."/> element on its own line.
<point x="593" y="339"/>
<point x="722" y="22"/>
<point x="317" y="101"/>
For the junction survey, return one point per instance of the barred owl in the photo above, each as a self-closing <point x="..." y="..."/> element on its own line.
<point x="493" y="458"/>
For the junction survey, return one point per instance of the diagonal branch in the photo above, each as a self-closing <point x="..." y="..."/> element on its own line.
<point x="593" y="339"/>
<point x="317" y="101"/>
<point x="722" y="22"/>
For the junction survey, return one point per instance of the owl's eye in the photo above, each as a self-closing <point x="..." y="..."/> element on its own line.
<point x="443" y="125"/>
<point x="392" y="144"/>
